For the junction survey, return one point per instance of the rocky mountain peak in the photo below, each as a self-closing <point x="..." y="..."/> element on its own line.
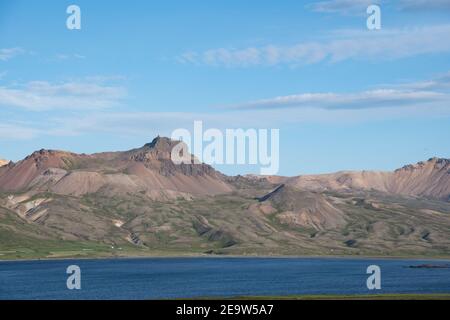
<point x="162" y="144"/>
<point x="440" y="161"/>
<point x="437" y="163"/>
<point x="158" y="149"/>
<point x="44" y="153"/>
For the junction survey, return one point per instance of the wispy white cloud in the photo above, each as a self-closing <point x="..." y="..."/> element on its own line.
<point x="359" y="7"/>
<point x="440" y="83"/>
<point x="68" y="56"/>
<point x="342" y="6"/>
<point x="9" y="53"/>
<point x="149" y="124"/>
<point x="424" y="4"/>
<point x="414" y="99"/>
<point x="420" y="99"/>
<point x="105" y="78"/>
<point x="361" y="100"/>
<point x="343" y="45"/>
<point x="11" y="131"/>
<point x="42" y="95"/>
<point x="434" y="92"/>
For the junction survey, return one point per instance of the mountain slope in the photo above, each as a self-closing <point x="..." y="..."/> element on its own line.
<point x="137" y="202"/>
<point x="302" y="208"/>
<point x="147" y="170"/>
<point x="424" y="179"/>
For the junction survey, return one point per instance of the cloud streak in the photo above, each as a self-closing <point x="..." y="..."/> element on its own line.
<point x="143" y="124"/>
<point x="421" y="99"/>
<point x="359" y="7"/>
<point x="342" y="6"/>
<point x="361" y="100"/>
<point x="11" y="131"/>
<point x="149" y="124"/>
<point x="424" y="4"/>
<point x="69" y="56"/>
<point x="422" y="94"/>
<point x="381" y="45"/>
<point x="42" y="95"/>
<point x="9" y="53"/>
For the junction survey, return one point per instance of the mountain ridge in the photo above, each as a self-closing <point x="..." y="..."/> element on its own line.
<point x="147" y="168"/>
<point x="137" y="202"/>
<point x="429" y="178"/>
<point x="424" y="179"/>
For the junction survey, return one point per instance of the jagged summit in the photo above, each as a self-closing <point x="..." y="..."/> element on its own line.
<point x="162" y="143"/>
<point x="160" y="149"/>
<point x="435" y="162"/>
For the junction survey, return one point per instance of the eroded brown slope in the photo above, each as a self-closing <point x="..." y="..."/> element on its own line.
<point x="148" y="169"/>
<point x="424" y="179"/>
<point x="295" y="207"/>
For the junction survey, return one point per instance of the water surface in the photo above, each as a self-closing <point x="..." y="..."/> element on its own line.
<point x="154" y="278"/>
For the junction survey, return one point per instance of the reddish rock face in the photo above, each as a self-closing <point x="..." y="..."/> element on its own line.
<point x="149" y="169"/>
<point x="146" y="169"/>
<point x="17" y="176"/>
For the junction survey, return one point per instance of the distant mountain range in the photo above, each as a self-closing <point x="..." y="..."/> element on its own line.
<point x="137" y="202"/>
<point x="429" y="179"/>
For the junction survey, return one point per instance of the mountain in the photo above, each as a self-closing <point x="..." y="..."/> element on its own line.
<point x="302" y="208"/>
<point x="146" y="170"/>
<point x="425" y="179"/>
<point x="58" y="204"/>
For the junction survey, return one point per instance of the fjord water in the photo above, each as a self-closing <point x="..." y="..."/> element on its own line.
<point x="155" y="278"/>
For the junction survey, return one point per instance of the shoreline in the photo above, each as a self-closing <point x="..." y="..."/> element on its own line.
<point x="379" y="296"/>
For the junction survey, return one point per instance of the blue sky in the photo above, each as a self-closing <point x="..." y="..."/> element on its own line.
<point x="344" y="97"/>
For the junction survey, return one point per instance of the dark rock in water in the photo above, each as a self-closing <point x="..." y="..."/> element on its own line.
<point x="431" y="266"/>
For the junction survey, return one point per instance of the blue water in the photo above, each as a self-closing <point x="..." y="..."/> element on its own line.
<point x="153" y="278"/>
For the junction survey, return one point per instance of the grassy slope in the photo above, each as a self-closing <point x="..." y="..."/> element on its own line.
<point x="223" y="225"/>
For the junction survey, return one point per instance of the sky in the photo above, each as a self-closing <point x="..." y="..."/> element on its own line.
<point x="343" y="97"/>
